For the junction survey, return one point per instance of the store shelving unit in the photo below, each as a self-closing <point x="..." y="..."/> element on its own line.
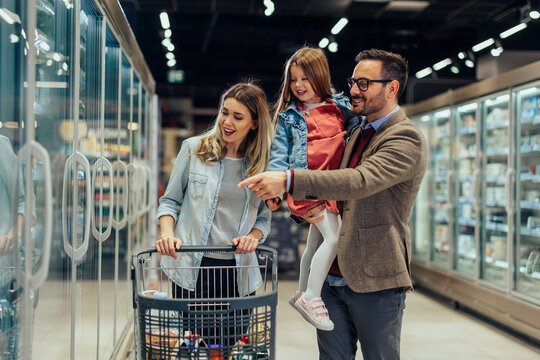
<point x="476" y="225"/>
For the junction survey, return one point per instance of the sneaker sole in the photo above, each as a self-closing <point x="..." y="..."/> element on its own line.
<point x="308" y="318"/>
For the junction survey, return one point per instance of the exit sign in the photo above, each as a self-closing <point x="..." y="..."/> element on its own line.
<point x="175" y="76"/>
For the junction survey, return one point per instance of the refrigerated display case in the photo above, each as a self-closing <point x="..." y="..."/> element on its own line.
<point x="527" y="113"/>
<point x="466" y="168"/>
<point x="478" y="210"/>
<point x="69" y="150"/>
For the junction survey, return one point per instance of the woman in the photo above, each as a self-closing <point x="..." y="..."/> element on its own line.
<point x="213" y="210"/>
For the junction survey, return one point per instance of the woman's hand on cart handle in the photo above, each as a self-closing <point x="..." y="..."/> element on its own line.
<point x="167" y="245"/>
<point x="248" y="243"/>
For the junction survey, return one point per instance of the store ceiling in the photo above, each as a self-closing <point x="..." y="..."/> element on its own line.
<point x="219" y="42"/>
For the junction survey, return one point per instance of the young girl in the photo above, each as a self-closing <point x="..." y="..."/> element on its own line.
<point x="310" y="133"/>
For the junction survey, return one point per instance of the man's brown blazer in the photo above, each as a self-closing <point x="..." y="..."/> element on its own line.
<point x="374" y="247"/>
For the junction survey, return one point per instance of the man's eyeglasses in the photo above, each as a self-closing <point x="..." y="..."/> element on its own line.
<point x="363" y="84"/>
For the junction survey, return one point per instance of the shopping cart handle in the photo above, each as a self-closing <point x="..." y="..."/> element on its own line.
<point x="199" y="248"/>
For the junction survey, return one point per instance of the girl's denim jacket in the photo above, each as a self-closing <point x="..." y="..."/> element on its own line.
<point x="191" y="198"/>
<point x="289" y="148"/>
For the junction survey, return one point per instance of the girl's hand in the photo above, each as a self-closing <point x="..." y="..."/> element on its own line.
<point x="167" y="245"/>
<point x="245" y="244"/>
<point x="315" y="214"/>
<point x="273" y="204"/>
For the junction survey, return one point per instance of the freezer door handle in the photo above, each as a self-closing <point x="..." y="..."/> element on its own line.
<point x="38" y="152"/>
<point x="102" y="163"/>
<point x="476" y="190"/>
<point x="508" y="186"/>
<point x="76" y="158"/>
<point x="118" y="167"/>
<point x="132" y="180"/>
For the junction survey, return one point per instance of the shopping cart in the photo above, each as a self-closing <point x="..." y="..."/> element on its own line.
<point x="208" y="322"/>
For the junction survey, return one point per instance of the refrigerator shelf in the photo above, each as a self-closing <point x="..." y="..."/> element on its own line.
<point x="496" y="204"/>
<point x="529" y="205"/>
<point x="530" y="232"/>
<point x="497" y="263"/>
<point x="497" y="125"/>
<point x="496" y="227"/>
<point x="441" y="219"/>
<point x="497" y="152"/>
<point x="467" y="131"/>
<point x="467" y="222"/>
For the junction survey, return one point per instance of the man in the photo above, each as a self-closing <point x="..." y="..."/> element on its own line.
<point x="377" y="183"/>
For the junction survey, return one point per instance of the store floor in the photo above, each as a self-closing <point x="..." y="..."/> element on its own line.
<point x="431" y="331"/>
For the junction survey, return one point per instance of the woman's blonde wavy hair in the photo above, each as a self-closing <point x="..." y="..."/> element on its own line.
<point x="314" y="64"/>
<point x="257" y="145"/>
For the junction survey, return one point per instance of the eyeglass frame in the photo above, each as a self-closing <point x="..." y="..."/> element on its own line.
<point x="351" y="81"/>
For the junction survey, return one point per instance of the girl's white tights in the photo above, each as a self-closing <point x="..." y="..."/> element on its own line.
<point x="320" y="259"/>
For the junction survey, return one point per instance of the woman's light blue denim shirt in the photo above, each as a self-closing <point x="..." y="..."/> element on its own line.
<point x="289" y="148"/>
<point x="191" y="198"/>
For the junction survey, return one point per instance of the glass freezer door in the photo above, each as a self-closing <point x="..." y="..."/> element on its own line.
<point x="422" y="213"/>
<point x="496" y="185"/>
<point x="441" y="156"/>
<point x="467" y="177"/>
<point x="528" y="192"/>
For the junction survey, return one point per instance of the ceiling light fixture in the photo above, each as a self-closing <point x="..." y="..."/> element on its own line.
<point x="270" y="7"/>
<point x="169" y="55"/>
<point x="454" y="69"/>
<point x="167" y="33"/>
<point x="423" y="73"/>
<point x="462" y="55"/>
<point x="413" y="6"/>
<point x="534" y="14"/>
<point x="164" y="18"/>
<point x="469" y="63"/>
<point x="166" y="42"/>
<point x="333" y="47"/>
<point x="442" y="64"/>
<point x="484" y="44"/>
<point x="339" y="26"/>
<point x="512" y="30"/>
<point x="171" y="62"/>
<point x="324" y="43"/>
<point x="497" y="49"/>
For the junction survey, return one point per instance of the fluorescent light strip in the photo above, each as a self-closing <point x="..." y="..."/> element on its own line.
<point x="528" y="91"/>
<point x="468" y="107"/>
<point x="442" y="114"/>
<point x="339" y="26"/>
<point x="333" y="47"/>
<point x="324" y="43"/>
<point x="164" y="18"/>
<point x="499" y="100"/>
<point x="512" y="31"/>
<point x="442" y="64"/>
<point x="9" y="16"/>
<point x="423" y="73"/>
<point x="483" y="45"/>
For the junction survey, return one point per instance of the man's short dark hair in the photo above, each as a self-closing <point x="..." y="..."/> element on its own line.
<point x="394" y="66"/>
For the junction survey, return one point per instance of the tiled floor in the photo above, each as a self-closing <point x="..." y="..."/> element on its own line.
<point x="431" y="331"/>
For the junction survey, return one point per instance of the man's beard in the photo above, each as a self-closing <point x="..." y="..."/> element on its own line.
<point x="375" y="106"/>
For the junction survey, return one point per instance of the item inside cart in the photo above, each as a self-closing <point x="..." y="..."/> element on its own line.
<point x="204" y="322"/>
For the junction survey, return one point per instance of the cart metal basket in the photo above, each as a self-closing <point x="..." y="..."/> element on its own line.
<point x="211" y="321"/>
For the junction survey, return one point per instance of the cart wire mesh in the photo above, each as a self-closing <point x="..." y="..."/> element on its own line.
<point x="211" y="320"/>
